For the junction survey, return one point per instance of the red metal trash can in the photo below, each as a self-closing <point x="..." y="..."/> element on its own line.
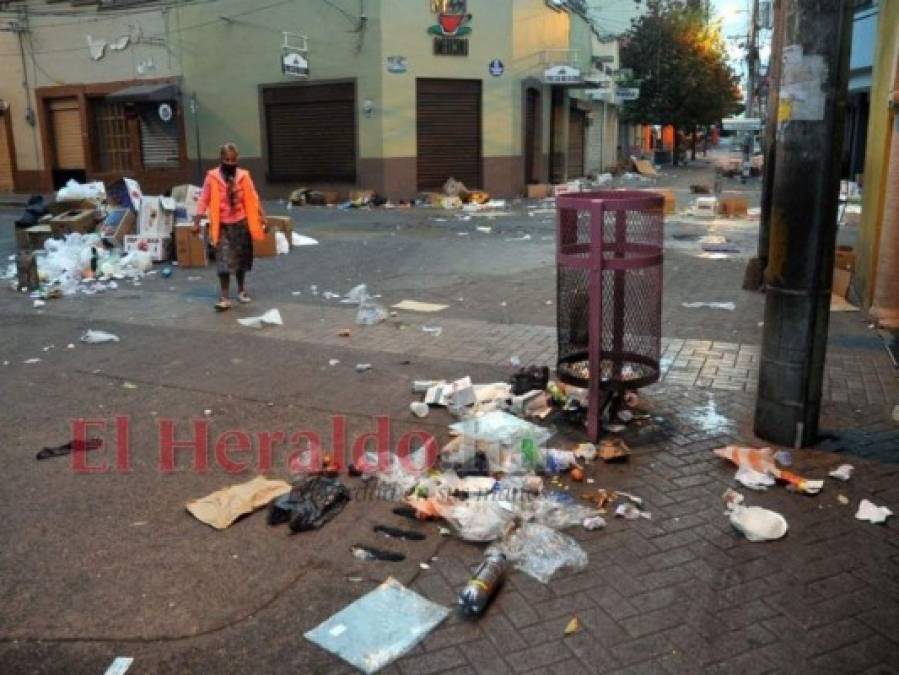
<point x="609" y="294"/>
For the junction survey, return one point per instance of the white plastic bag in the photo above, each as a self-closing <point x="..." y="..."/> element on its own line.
<point x="300" y="240"/>
<point x="74" y="190"/>
<point x="140" y="262"/>
<point x="479" y="519"/>
<point x="271" y="318"/>
<point x="97" y="337"/>
<point x="282" y="246"/>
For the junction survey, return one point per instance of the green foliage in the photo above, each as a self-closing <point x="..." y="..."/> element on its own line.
<point x="680" y="62"/>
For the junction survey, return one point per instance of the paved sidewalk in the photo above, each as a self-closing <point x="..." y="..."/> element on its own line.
<point x="862" y="377"/>
<point x="684" y="593"/>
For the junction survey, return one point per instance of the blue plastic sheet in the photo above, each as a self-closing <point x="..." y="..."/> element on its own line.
<point x="379" y="627"/>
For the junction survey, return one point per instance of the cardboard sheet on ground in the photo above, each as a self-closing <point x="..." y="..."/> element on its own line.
<point x="416" y="306"/>
<point x="379" y="627"/>
<point x="221" y="508"/>
<point x="644" y="167"/>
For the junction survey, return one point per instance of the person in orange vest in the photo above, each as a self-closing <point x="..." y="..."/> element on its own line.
<point x="236" y="219"/>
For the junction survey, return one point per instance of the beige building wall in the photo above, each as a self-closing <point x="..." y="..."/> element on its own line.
<point x="225" y="64"/>
<point x="57" y="53"/>
<point x="223" y="58"/>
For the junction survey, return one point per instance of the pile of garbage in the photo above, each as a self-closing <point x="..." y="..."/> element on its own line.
<point x="92" y="236"/>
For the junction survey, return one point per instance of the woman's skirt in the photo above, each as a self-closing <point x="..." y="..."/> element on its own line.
<point x="234" y="251"/>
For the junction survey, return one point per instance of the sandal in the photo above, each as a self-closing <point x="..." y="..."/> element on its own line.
<point x="222" y="305"/>
<point x="244" y="298"/>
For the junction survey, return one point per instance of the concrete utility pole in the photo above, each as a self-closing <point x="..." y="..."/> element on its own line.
<point x="811" y="111"/>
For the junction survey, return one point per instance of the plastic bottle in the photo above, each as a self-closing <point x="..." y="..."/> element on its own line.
<point x="483" y="585"/>
<point x="529" y="453"/>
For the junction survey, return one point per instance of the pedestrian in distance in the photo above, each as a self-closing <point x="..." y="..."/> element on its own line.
<point x="236" y="219"/>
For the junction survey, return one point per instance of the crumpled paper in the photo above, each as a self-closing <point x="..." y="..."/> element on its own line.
<point x="872" y="513"/>
<point x="221" y="508"/>
<point x="842" y="472"/>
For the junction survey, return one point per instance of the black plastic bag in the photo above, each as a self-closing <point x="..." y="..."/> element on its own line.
<point x="529" y="378"/>
<point x="311" y="503"/>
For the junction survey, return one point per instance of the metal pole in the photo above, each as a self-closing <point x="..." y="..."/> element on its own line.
<point x="195" y="109"/>
<point x="798" y="278"/>
<point x="774" y="61"/>
<point x="752" y="59"/>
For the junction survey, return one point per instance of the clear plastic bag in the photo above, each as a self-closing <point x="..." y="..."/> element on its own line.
<point x="356" y="295"/>
<point x="541" y="551"/>
<point x="557" y="514"/>
<point x="370" y="313"/>
<point x="379" y="627"/>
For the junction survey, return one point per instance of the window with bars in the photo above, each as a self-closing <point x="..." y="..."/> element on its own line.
<point x="111" y="136"/>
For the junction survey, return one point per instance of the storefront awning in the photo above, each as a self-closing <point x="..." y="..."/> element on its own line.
<point x="145" y="93"/>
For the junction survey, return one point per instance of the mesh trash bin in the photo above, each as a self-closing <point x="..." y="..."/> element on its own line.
<point x="609" y="285"/>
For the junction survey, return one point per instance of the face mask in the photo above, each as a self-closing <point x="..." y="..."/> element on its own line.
<point x="229" y="170"/>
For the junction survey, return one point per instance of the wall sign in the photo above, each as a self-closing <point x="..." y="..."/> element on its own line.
<point x="496" y="68"/>
<point x="165" y="112"/>
<point x="449" y="32"/>
<point x="452" y="15"/>
<point x="562" y="75"/>
<point x="397" y="64"/>
<point x="627" y="93"/>
<point x="294" y="56"/>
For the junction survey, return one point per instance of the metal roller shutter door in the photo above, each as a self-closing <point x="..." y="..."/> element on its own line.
<point x="158" y="140"/>
<point x="448" y="132"/>
<point x="311" y="132"/>
<point x="576" y="143"/>
<point x="6" y="177"/>
<point x="65" y="123"/>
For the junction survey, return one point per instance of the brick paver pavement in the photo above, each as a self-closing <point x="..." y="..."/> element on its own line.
<point x="683" y="592"/>
<point x="861" y="377"/>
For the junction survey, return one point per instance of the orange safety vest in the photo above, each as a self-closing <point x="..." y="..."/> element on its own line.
<point x="250" y="204"/>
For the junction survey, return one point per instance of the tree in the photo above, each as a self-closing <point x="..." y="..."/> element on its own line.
<point x="680" y="63"/>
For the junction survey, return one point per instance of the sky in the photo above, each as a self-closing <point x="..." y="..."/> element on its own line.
<point x="615" y="15"/>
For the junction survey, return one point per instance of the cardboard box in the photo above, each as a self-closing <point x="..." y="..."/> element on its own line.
<point x="36" y="235"/>
<point x="124" y="193"/>
<point x="705" y="207"/>
<point x="158" y="246"/>
<point x="190" y="248"/>
<point x="732" y="204"/>
<point x="670" y="199"/>
<point x="157" y="216"/>
<point x="56" y="208"/>
<point x="266" y="248"/>
<point x="844" y="258"/>
<point x="281" y="224"/>
<point x="186" y="198"/>
<point x="21" y="234"/>
<point x="118" y="223"/>
<point x="539" y="191"/>
<point x="566" y="188"/>
<point x="77" y="220"/>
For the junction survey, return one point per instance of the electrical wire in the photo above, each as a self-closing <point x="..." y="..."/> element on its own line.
<point x="183" y="29"/>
